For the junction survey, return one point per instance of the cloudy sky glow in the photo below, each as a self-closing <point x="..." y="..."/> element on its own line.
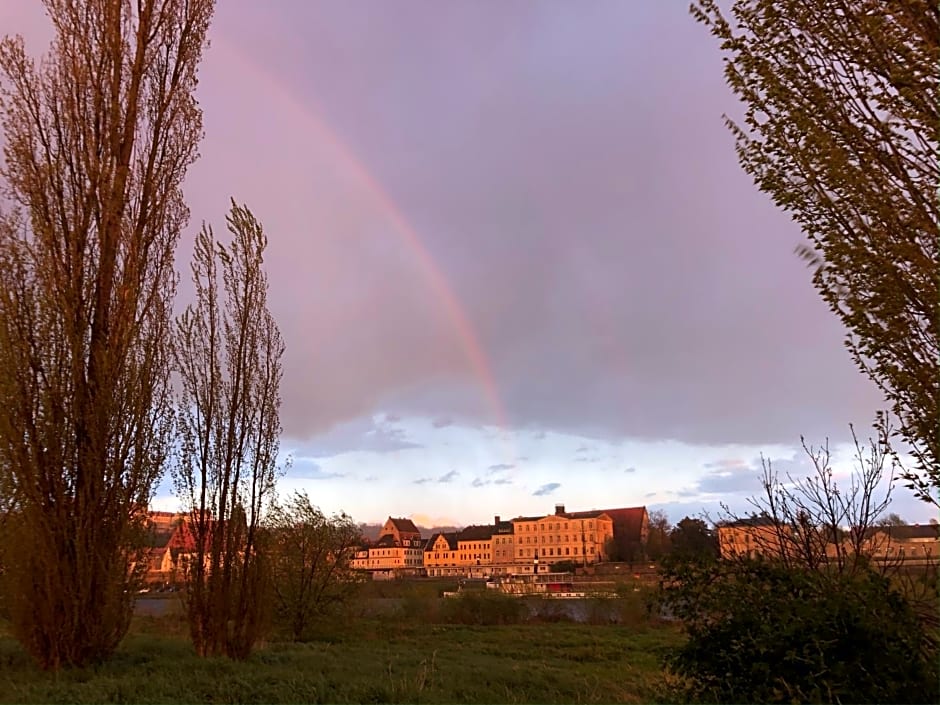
<point x="513" y="257"/>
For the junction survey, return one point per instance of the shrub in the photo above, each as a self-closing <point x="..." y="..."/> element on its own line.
<point x="484" y="608"/>
<point x="762" y="632"/>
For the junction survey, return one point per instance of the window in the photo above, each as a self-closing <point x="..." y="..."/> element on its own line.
<point x="567" y="551"/>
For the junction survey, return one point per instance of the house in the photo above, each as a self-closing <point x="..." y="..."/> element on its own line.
<point x="751" y="537"/>
<point x="399" y="550"/>
<point x="908" y="543"/>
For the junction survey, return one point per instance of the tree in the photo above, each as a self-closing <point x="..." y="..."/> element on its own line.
<point x="693" y="540"/>
<point x="891" y="519"/>
<point x="98" y="139"/>
<point x="228" y="357"/>
<point x="761" y="632"/>
<point x="657" y="540"/>
<point x="310" y="562"/>
<point x="813" y="522"/>
<point x="809" y="614"/>
<point x="841" y="129"/>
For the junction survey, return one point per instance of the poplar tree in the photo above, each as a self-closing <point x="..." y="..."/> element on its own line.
<point x="98" y="138"/>
<point x="841" y="128"/>
<point x="228" y="352"/>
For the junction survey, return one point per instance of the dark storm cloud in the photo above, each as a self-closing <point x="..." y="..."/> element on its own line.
<point x="546" y="489"/>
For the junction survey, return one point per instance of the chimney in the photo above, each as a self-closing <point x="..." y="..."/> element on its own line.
<point x="559" y="509"/>
<point x="496" y="521"/>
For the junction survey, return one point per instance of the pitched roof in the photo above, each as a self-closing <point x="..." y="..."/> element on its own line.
<point x="449" y="536"/>
<point x="404" y="526"/>
<point x="476" y="533"/>
<point x="747" y="522"/>
<point x="909" y="531"/>
<point x="385" y="541"/>
<point x="590" y="514"/>
<point x="628" y="522"/>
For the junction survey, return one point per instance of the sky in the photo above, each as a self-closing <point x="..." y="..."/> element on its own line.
<point x="514" y="259"/>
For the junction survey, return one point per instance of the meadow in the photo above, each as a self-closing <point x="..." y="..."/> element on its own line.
<point x="403" y="652"/>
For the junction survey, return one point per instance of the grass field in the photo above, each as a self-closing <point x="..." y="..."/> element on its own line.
<point x="368" y="660"/>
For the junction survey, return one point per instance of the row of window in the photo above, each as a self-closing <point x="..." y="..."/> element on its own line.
<point x="527" y="552"/>
<point x="557" y="539"/>
<point x="550" y="526"/>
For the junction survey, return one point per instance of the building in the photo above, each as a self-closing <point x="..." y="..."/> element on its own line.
<point x="750" y="537"/>
<point x="578" y="537"/>
<point x="399" y="550"/>
<point x="910" y="543"/>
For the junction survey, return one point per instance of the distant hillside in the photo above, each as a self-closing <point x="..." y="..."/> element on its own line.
<point x="372" y="531"/>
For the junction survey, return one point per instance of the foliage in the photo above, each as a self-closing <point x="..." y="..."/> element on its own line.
<point x="762" y="631"/>
<point x="657" y="541"/>
<point x="310" y="557"/>
<point x="97" y="141"/>
<point x="841" y="129"/>
<point x="567" y="566"/>
<point x="692" y="540"/>
<point x="483" y="607"/>
<point x="228" y="356"/>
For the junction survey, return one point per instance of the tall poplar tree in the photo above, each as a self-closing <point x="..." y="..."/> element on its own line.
<point x="98" y="138"/>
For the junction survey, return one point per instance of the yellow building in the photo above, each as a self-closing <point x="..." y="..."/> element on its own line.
<point x="756" y="536"/>
<point x="399" y="550"/>
<point x="579" y="537"/>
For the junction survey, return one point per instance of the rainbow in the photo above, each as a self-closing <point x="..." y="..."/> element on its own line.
<point x="436" y="279"/>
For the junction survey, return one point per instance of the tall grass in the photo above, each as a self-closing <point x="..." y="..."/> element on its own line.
<point x="367" y="659"/>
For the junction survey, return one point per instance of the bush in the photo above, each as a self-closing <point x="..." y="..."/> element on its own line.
<point x="762" y="632"/>
<point x="484" y="608"/>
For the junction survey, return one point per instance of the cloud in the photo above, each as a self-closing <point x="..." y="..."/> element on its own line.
<point x="442" y="422"/>
<point x="502" y="481"/>
<point x="546" y="489"/>
<point x="592" y="341"/>
<point x="370" y="478"/>
<point x="650" y="494"/>
<point x="422" y="481"/>
<point x="582" y="449"/>
<point x="305" y="469"/>
<point x="365" y="435"/>
<point x="593" y="459"/>
<point x="630" y="470"/>
<point x="448" y="477"/>
<point x="392" y="418"/>
<point x="539" y="435"/>
<point x="499" y="467"/>
<point x="479" y="482"/>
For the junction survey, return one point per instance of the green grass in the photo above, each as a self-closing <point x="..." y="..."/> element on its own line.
<point x="368" y="661"/>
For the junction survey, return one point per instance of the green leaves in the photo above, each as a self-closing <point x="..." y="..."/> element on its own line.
<point x="841" y="129"/>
